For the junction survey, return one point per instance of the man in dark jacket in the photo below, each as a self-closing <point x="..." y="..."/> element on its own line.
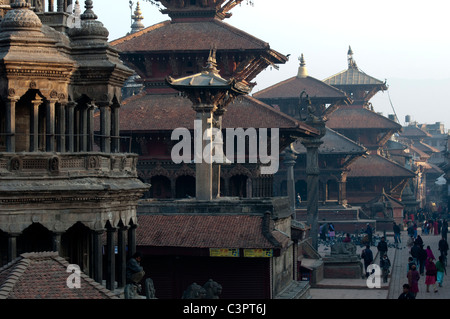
<point x="382" y="247"/>
<point x="135" y="272"/>
<point x="367" y="256"/>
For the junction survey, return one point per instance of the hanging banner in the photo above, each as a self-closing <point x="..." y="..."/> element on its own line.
<point x="258" y="252"/>
<point x="224" y="252"/>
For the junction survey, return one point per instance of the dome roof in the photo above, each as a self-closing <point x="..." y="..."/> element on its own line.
<point x="20" y="18"/>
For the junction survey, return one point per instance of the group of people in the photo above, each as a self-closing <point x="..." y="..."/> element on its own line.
<point x="422" y="262"/>
<point x="385" y="263"/>
<point x="429" y="227"/>
<point x="327" y="232"/>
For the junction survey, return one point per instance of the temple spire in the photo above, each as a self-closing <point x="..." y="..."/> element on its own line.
<point x="351" y="62"/>
<point x="137" y="17"/>
<point x="302" y="70"/>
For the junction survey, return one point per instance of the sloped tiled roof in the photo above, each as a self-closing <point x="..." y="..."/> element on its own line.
<point x="428" y="149"/>
<point x="193" y="36"/>
<point x="375" y="165"/>
<point x="145" y="113"/>
<point x="334" y="143"/>
<point x="44" y="275"/>
<point x="205" y="231"/>
<point x="414" y="132"/>
<point x="358" y="117"/>
<point x="353" y="76"/>
<point x="292" y="87"/>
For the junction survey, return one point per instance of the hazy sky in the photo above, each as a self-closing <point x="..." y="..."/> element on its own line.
<point x="405" y="42"/>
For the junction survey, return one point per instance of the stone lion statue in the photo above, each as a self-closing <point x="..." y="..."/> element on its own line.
<point x="343" y="249"/>
<point x="194" y="291"/>
<point x="213" y="289"/>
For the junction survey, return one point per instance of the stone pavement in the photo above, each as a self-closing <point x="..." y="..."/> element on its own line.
<point x="357" y="288"/>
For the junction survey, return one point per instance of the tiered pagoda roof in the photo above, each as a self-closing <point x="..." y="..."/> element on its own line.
<point x="357" y="84"/>
<point x="145" y="113"/>
<point x="317" y="90"/>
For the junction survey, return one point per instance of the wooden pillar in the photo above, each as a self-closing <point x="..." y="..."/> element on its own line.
<point x="97" y="255"/>
<point x="71" y="126"/>
<point x="122" y="257"/>
<point x="110" y="258"/>
<point x="50" y="126"/>
<point x="105" y="127"/>
<point x="11" y="124"/>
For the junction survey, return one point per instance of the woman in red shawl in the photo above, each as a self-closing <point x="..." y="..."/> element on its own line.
<point x="431" y="273"/>
<point x="436" y="227"/>
<point x="413" y="280"/>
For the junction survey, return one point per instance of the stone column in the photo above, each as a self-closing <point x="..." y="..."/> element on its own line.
<point x="343" y="189"/>
<point x="12" y="246"/>
<point x="105" y="127"/>
<point x="90" y="127"/>
<point x="50" y="5"/>
<point x="57" y="242"/>
<point x="203" y="166"/>
<point x="50" y="126"/>
<point x="11" y="124"/>
<point x="97" y="255"/>
<point x="34" y="129"/>
<point x="312" y="171"/>
<point x="289" y="162"/>
<point x="132" y="240"/>
<point x="115" y="129"/>
<point x="122" y="257"/>
<point x="83" y="130"/>
<point x="61" y="129"/>
<point x="110" y="258"/>
<point x="71" y="126"/>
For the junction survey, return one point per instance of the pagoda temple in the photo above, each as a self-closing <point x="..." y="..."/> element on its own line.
<point x="371" y="175"/>
<point x="240" y="233"/>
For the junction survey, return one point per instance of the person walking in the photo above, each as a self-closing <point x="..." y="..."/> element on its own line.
<point x="444" y="229"/>
<point x="367" y="256"/>
<point x="413" y="280"/>
<point x="430" y="275"/>
<point x="369" y="232"/>
<point x="422" y="259"/>
<point x="443" y="248"/>
<point x="397" y="231"/>
<point x="385" y="264"/>
<point x="415" y="249"/>
<point x="430" y="253"/>
<point x="382" y="247"/>
<point x="441" y="271"/>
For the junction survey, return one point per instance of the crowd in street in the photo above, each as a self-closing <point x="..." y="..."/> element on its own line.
<point x="422" y="261"/>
